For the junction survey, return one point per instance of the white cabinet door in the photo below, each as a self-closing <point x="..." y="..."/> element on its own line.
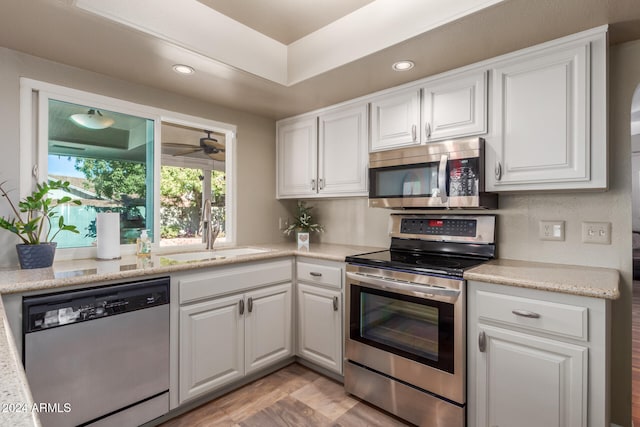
<point x="455" y="106"/>
<point x="297" y="157"/>
<point x="395" y="120"/>
<point x="528" y="381"/>
<point x="268" y="320"/>
<point x="544" y="133"/>
<point x="211" y="345"/>
<point x="320" y="326"/>
<point x="343" y="152"/>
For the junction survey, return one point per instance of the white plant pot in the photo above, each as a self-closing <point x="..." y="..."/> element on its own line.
<point x="303" y="241"/>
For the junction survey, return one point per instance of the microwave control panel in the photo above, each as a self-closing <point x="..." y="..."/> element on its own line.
<point x="439" y="227"/>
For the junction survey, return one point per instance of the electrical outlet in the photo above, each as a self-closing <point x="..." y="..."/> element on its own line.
<point x="596" y="232"/>
<point x="552" y="230"/>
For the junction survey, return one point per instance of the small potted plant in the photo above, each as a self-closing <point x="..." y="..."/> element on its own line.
<point x="32" y="223"/>
<point x="303" y="224"/>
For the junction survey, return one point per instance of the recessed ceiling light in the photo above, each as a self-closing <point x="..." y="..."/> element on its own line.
<point x="403" y="65"/>
<point x="183" y="69"/>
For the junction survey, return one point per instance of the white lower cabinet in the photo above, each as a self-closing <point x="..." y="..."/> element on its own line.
<point x="223" y="338"/>
<point x="536" y="358"/>
<point x="319" y="310"/>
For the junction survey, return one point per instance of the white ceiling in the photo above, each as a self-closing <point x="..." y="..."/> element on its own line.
<point x="285" y="20"/>
<point x="346" y="58"/>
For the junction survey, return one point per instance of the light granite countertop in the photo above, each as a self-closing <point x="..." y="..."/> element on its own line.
<point x="569" y="279"/>
<point x="577" y="280"/>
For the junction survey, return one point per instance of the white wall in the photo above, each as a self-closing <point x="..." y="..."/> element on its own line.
<point x="257" y="209"/>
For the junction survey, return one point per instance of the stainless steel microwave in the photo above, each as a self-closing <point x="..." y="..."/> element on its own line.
<point x="447" y="174"/>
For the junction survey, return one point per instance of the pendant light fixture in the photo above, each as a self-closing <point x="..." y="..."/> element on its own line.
<point x="93" y="119"/>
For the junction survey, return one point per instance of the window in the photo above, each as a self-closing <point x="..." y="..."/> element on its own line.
<point x="147" y="164"/>
<point x="193" y="173"/>
<point x="108" y="159"/>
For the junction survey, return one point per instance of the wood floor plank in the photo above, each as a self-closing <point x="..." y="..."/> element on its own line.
<point x="327" y="397"/>
<point x="363" y="415"/>
<point x="287" y="412"/>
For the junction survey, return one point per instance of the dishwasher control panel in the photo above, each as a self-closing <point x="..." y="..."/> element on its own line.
<point x="64" y="308"/>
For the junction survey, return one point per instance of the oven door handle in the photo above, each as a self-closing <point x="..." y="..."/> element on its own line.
<point x="404" y="286"/>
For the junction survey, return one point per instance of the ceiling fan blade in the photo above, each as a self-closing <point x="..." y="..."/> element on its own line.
<point x="189" y="151"/>
<point x="217" y="156"/>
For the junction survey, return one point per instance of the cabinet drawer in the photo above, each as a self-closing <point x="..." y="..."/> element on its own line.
<point x="321" y="274"/>
<point x="536" y="315"/>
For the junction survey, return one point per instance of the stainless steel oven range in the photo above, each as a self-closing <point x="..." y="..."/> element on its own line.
<point x="405" y="322"/>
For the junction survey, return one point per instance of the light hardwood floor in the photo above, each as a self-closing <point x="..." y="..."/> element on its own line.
<point x="292" y="396"/>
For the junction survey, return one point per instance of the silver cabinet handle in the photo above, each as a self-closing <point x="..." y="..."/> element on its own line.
<point x="526" y="313"/>
<point x="498" y="171"/>
<point x="335" y="303"/>
<point x="313" y="184"/>
<point x="320" y="183"/>
<point x="315" y="274"/>
<point x="427" y="130"/>
<point x="442" y="178"/>
<point x="414" y="132"/>
<point x="250" y="304"/>
<point x="241" y="305"/>
<point x="482" y="342"/>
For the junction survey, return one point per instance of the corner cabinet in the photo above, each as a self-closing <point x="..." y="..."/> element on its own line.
<point x="324" y="155"/>
<point x="536" y="358"/>
<point x="319" y="301"/>
<point x="232" y="322"/>
<point x="549" y="117"/>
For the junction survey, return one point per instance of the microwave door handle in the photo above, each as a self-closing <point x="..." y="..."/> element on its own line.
<point x="419" y="289"/>
<point x="442" y="178"/>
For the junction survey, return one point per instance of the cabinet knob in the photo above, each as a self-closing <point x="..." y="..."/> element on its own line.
<point x="335" y="303"/>
<point x="313" y="184"/>
<point x="414" y="133"/>
<point x="320" y="183"/>
<point x="250" y="304"/>
<point x="241" y="306"/>
<point x="427" y="130"/>
<point x="482" y="342"/>
<point x="315" y="274"/>
<point x="498" y="171"/>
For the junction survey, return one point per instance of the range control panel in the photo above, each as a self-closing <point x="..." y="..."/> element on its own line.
<point x="444" y="228"/>
<point x="439" y="227"/>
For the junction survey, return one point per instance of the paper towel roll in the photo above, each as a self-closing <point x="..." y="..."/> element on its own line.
<point x="108" y="235"/>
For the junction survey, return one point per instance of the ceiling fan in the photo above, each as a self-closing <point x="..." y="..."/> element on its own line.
<point x="208" y="145"/>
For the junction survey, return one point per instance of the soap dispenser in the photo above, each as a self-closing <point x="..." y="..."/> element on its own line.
<point x="143" y="245"/>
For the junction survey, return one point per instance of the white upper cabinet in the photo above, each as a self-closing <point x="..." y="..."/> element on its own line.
<point x="342" y="151"/>
<point x="454" y="107"/>
<point x="324" y="155"/>
<point x="549" y="117"/>
<point x="395" y="119"/>
<point x="297" y="157"/>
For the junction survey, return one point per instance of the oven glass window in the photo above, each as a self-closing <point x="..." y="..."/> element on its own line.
<point x="416" y="328"/>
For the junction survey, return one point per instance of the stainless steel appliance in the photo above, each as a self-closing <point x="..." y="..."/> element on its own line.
<point x="447" y="174"/>
<point x="99" y="356"/>
<point x="405" y="322"/>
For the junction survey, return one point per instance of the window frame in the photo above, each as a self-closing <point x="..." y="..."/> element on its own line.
<point x="34" y="99"/>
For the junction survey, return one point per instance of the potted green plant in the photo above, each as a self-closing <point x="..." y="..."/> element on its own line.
<point x="303" y="225"/>
<point x="32" y="223"/>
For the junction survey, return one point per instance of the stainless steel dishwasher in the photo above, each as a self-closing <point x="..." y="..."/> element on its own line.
<point x="99" y="356"/>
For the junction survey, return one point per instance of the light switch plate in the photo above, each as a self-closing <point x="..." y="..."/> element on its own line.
<point x="552" y="230"/>
<point x="596" y="232"/>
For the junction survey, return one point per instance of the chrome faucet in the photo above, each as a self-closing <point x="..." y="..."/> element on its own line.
<point x="210" y="228"/>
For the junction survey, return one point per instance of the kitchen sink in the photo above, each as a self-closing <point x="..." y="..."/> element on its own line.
<point x="211" y="255"/>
